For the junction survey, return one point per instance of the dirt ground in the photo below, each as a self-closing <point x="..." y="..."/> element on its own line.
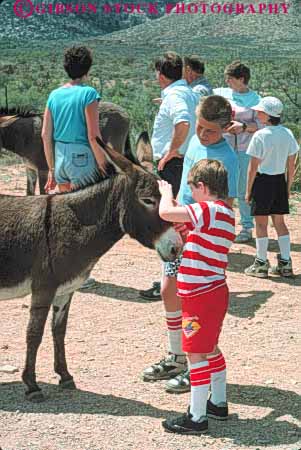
<point x="113" y="334"/>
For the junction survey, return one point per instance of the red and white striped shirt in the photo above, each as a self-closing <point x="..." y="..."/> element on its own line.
<point x="205" y="255"/>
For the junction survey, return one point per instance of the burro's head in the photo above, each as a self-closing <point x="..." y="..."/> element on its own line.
<point x="136" y="202"/>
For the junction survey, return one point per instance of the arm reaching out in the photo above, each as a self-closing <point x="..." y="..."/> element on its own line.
<point x="168" y="210"/>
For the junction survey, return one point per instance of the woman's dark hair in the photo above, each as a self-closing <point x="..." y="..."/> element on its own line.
<point x="238" y="70"/>
<point x="274" y="120"/>
<point x="170" y="65"/>
<point x="77" y="61"/>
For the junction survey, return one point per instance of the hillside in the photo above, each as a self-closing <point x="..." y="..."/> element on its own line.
<point x="134" y="35"/>
<point x="213" y="36"/>
<point x="72" y="26"/>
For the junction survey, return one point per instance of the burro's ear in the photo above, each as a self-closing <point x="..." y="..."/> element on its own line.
<point x="144" y="151"/>
<point x="6" y="121"/>
<point x="121" y="164"/>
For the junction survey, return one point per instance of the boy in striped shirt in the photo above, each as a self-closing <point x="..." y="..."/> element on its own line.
<point x="202" y="287"/>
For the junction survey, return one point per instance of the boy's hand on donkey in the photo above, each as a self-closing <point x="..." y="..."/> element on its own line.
<point x="182" y="229"/>
<point x="165" y="188"/>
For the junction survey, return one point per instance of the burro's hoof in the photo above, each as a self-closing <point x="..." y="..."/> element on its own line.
<point x="35" y="397"/>
<point x="68" y="384"/>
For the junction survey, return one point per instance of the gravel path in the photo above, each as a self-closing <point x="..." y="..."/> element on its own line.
<point x="112" y="335"/>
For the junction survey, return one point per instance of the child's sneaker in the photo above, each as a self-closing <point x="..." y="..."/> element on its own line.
<point x="179" y="384"/>
<point x="184" y="425"/>
<point x="168" y="367"/>
<point x="259" y="269"/>
<point x="283" y="268"/>
<point x="153" y="293"/>
<point x="219" y="412"/>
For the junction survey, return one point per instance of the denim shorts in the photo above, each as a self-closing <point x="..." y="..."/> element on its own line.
<point x="75" y="164"/>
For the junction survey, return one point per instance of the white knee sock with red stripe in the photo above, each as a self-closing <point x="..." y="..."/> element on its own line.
<point x="200" y="382"/>
<point x="174" y="330"/>
<point x="217" y="365"/>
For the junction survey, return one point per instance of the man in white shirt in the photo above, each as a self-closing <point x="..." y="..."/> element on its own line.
<point x="175" y="122"/>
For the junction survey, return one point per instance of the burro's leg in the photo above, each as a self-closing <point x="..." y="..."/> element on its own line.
<point x="61" y="306"/>
<point x="31" y="176"/>
<point x="38" y="314"/>
<point x="42" y="175"/>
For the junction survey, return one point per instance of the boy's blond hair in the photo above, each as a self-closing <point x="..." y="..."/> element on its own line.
<point x="213" y="174"/>
<point x="216" y="109"/>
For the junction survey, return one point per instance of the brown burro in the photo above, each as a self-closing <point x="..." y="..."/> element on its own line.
<point x="49" y="245"/>
<point x="20" y="133"/>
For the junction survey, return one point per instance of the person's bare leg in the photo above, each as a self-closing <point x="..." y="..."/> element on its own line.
<point x="284" y="265"/>
<point x="173" y="313"/>
<point x="175" y="362"/>
<point x="262" y="241"/>
<point x="279" y="224"/>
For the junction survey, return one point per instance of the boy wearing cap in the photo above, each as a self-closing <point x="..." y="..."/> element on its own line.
<point x="271" y="170"/>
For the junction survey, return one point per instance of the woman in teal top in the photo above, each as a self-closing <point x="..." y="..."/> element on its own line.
<point x="71" y="123"/>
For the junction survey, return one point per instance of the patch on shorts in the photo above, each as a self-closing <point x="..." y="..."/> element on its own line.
<point x="190" y="326"/>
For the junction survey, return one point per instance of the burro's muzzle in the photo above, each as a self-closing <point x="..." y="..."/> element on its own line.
<point x="170" y="245"/>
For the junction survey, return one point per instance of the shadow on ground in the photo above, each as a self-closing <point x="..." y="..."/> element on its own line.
<point x="273" y="245"/>
<point x="114" y="291"/>
<point x="274" y="428"/>
<point x="245" y="304"/>
<point x="12" y="398"/>
<point x="239" y="261"/>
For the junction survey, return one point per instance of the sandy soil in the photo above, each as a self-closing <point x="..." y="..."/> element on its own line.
<point x="113" y="334"/>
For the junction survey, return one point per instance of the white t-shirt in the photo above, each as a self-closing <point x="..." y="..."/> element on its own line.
<point x="273" y="145"/>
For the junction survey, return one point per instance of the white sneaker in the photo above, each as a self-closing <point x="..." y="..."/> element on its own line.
<point x="168" y="367"/>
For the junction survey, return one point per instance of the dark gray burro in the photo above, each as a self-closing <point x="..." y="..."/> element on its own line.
<point x="49" y="244"/>
<point x="20" y="133"/>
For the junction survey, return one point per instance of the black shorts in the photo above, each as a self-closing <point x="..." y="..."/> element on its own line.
<point x="172" y="173"/>
<point x="269" y="195"/>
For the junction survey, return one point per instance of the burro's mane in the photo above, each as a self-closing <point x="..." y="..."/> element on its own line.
<point x="20" y="112"/>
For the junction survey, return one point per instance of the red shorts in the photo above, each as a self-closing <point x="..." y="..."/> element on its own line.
<point x="202" y="321"/>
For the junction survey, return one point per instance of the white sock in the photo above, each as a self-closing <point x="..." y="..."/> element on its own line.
<point x="285" y="246"/>
<point x="174" y="332"/>
<point x="218" y="387"/>
<point x="200" y="382"/>
<point x="262" y="248"/>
